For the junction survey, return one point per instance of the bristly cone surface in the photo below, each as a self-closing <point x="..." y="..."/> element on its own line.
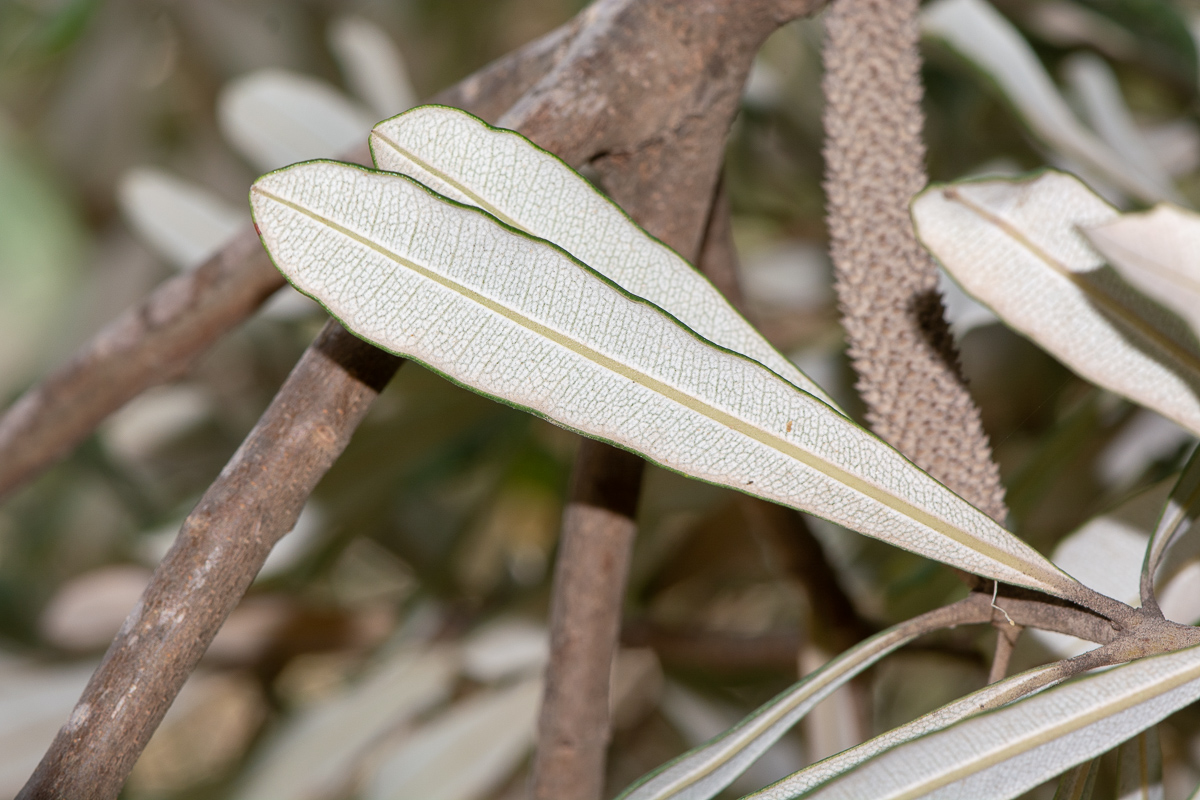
<point x="899" y="342"/>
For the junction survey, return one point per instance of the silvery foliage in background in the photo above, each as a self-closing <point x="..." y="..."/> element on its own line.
<point x="1093" y="268"/>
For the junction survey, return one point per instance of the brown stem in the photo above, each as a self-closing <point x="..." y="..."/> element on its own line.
<point x="585" y="619"/>
<point x="161" y="337"/>
<point x="151" y="343"/>
<point x="220" y="548"/>
<point x="664" y="175"/>
<point x="906" y="360"/>
<point x="1007" y="634"/>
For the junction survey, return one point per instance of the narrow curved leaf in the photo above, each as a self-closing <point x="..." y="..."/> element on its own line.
<point x="518" y="319"/>
<point x="1158" y="251"/>
<point x="1004" y="753"/>
<point x="1139" y="767"/>
<point x="465" y="159"/>
<point x="182" y="222"/>
<point x="1104" y="107"/>
<point x="825" y="771"/>
<point x="703" y="772"/>
<point x="1179" y="514"/>
<point x="989" y="41"/>
<point x="1078" y="783"/>
<point x="372" y="64"/>
<point x="275" y="117"/>
<point x="1016" y="246"/>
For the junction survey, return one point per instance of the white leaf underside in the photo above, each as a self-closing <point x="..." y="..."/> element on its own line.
<point x="704" y="771"/>
<point x="1001" y="754"/>
<point x="1016" y="246"/>
<point x="1178" y="516"/>
<point x="518" y="319"/>
<point x="813" y="776"/>
<point x="465" y="159"/>
<point x="1158" y="251"/>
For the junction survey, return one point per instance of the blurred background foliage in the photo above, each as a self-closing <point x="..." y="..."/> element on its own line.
<point x="397" y="634"/>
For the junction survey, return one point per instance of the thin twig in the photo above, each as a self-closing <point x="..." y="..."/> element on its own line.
<point x="698" y="648"/>
<point x="161" y="337"/>
<point x="907" y="363"/>
<point x="1007" y="633"/>
<point x="220" y="548"/>
<point x="152" y="343"/>
<point x="598" y="530"/>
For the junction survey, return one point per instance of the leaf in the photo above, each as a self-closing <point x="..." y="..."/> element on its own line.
<point x="1015" y="246"/>
<point x="1180" y="512"/>
<point x="274" y="117"/>
<point x="1095" y="85"/>
<point x="315" y="755"/>
<point x="1157" y="251"/>
<point x="986" y="39"/>
<point x="506" y="648"/>
<point x="825" y="771"/>
<point x="465" y="159"/>
<point x="182" y="222"/>
<point x="518" y="319"/>
<point x="1139" y="767"/>
<point x="464" y="753"/>
<point x="699" y="718"/>
<point x="1078" y="783"/>
<point x="1004" y="753"/>
<point x="186" y="224"/>
<point x="703" y="772"/>
<point x="373" y="65"/>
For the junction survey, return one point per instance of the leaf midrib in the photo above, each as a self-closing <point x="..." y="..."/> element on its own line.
<point x="1049" y="734"/>
<point x="1048" y="581"/>
<point x="476" y="198"/>
<point x="1101" y="299"/>
<point x="763" y="722"/>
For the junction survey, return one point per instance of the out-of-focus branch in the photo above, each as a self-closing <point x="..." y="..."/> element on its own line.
<point x="717" y="651"/>
<point x="718" y="258"/>
<point x="148" y="663"/>
<point x="598" y="530"/>
<point x="1006" y="641"/>
<point x="220" y="548"/>
<point x="905" y="357"/>
<point x="151" y="343"/>
<point x="160" y="338"/>
<point x="661" y="165"/>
